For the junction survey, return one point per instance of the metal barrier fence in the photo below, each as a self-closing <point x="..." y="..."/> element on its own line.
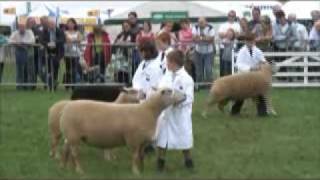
<point x="29" y="65"/>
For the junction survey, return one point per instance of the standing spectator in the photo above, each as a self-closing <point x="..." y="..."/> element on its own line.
<point x="203" y="35"/>
<point x="135" y="29"/>
<point x="263" y="33"/>
<point x="185" y="35"/>
<point x="53" y="40"/>
<point x="300" y="33"/>
<point x="23" y="39"/>
<point x="146" y="32"/>
<point x="134" y="26"/>
<point x="244" y="28"/>
<point x="32" y="25"/>
<point x="168" y="27"/>
<point x="275" y="10"/>
<point x="282" y="33"/>
<point x="231" y="23"/>
<point x="124" y="44"/>
<point x="227" y="58"/>
<point x="315" y="15"/>
<point x="98" y="52"/>
<point x="314" y="37"/>
<point x="3" y="42"/>
<point x="72" y="52"/>
<point x="185" y="44"/>
<point x="256" y="17"/>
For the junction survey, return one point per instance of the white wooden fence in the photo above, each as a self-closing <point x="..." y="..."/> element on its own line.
<point x="292" y="62"/>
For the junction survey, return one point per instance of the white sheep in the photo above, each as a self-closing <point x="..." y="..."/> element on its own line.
<point x="239" y="87"/>
<point x="108" y="125"/>
<point x="127" y="95"/>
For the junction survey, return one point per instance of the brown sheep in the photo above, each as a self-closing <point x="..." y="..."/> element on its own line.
<point x="239" y="87"/>
<point x="127" y="95"/>
<point x="108" y="125"/>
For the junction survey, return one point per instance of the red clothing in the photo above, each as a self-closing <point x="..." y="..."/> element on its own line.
<point x="143" y="35"/>
<point x="89" y="54"/>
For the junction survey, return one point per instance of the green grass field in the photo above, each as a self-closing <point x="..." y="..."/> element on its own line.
<point x="286" y="146"/>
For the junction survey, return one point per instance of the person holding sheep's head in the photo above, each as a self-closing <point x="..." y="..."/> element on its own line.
<point x="248" y="59"/>
<point x="148" y="73"/>
<point x="174" y="128"/>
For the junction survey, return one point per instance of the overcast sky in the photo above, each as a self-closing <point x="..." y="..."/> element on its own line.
<point x="120" y="6"/>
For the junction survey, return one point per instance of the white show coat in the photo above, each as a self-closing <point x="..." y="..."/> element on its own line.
<point x="174" y="127"/>
<point x="147" y="75"/>
<point x="162" y="58"/>
<point x="245" y="61"/>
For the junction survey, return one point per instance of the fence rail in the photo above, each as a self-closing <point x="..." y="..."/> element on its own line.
<point x="296" y="69"/>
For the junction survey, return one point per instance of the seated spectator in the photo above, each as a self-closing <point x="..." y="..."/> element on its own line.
<point x="23" y="39"/>
<point x="98" y="51"/>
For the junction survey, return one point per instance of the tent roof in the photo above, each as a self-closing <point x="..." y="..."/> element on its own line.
<point x="194" y="10"/>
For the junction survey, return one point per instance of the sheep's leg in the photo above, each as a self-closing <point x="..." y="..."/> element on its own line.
<point x="210" y="102"/>
<point x="222" y="104"/>
<point x="65" y="154"/>
<point x="54" y="143"/>
<point x="141" y="156"/>
<point x="75" y="156"/>
<point x="136" y="161"/>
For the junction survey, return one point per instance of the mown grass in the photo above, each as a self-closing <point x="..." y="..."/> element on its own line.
<point x="286" y="146"/>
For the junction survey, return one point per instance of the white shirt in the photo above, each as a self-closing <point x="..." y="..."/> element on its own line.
<point x="174" y="127"/>
<point x="147" y="75"/>
<point x="207" y="31"/>
<point x="245" y="61"/>
<point x="227" y="25"/>
<point x="302" y="35"/>
<point x="26" y="38"/>
<point x="314" y="34"/>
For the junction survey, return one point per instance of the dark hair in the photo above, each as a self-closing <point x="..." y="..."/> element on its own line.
<point x="164" y="37"/>
<point x="184" y="21"/>
<point x="149" y="47"/>
<point x="177" y="56"/>
<point x="256" y="9"/>
<point x="133" y="13"/>
<point x="149" y="24"/>
<point x="280" y="14"/>
<point x="74" y="22"/>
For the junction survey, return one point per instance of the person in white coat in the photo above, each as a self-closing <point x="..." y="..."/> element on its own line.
<point x="149" y="72"/>
<point x="248" y="59"/>
<point x="174" y="128"/>
<point x="163" y="42"/>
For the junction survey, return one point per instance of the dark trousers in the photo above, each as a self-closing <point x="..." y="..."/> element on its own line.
<point x="72" y="66"/>
<point x="261" y="106"/>
<point x="51" y="71"/>
<point x="97" y="76"/>
<point x="1" y="70"/>
<point x="24" y="67"/>
<point x="225" y="68"/>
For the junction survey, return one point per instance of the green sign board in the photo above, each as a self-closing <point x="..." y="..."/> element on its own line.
<point x="168" y="15"/>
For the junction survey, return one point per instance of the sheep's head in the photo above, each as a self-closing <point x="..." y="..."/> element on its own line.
<point x="129" y="95"/>
<point x="169" y="97"/>
<point x="265" y="67"/>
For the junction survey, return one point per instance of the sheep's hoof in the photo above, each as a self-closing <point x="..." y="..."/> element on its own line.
<point x="109" y="156"/>
<point x="136" y="171"/>
<point x="79" y="170"/>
